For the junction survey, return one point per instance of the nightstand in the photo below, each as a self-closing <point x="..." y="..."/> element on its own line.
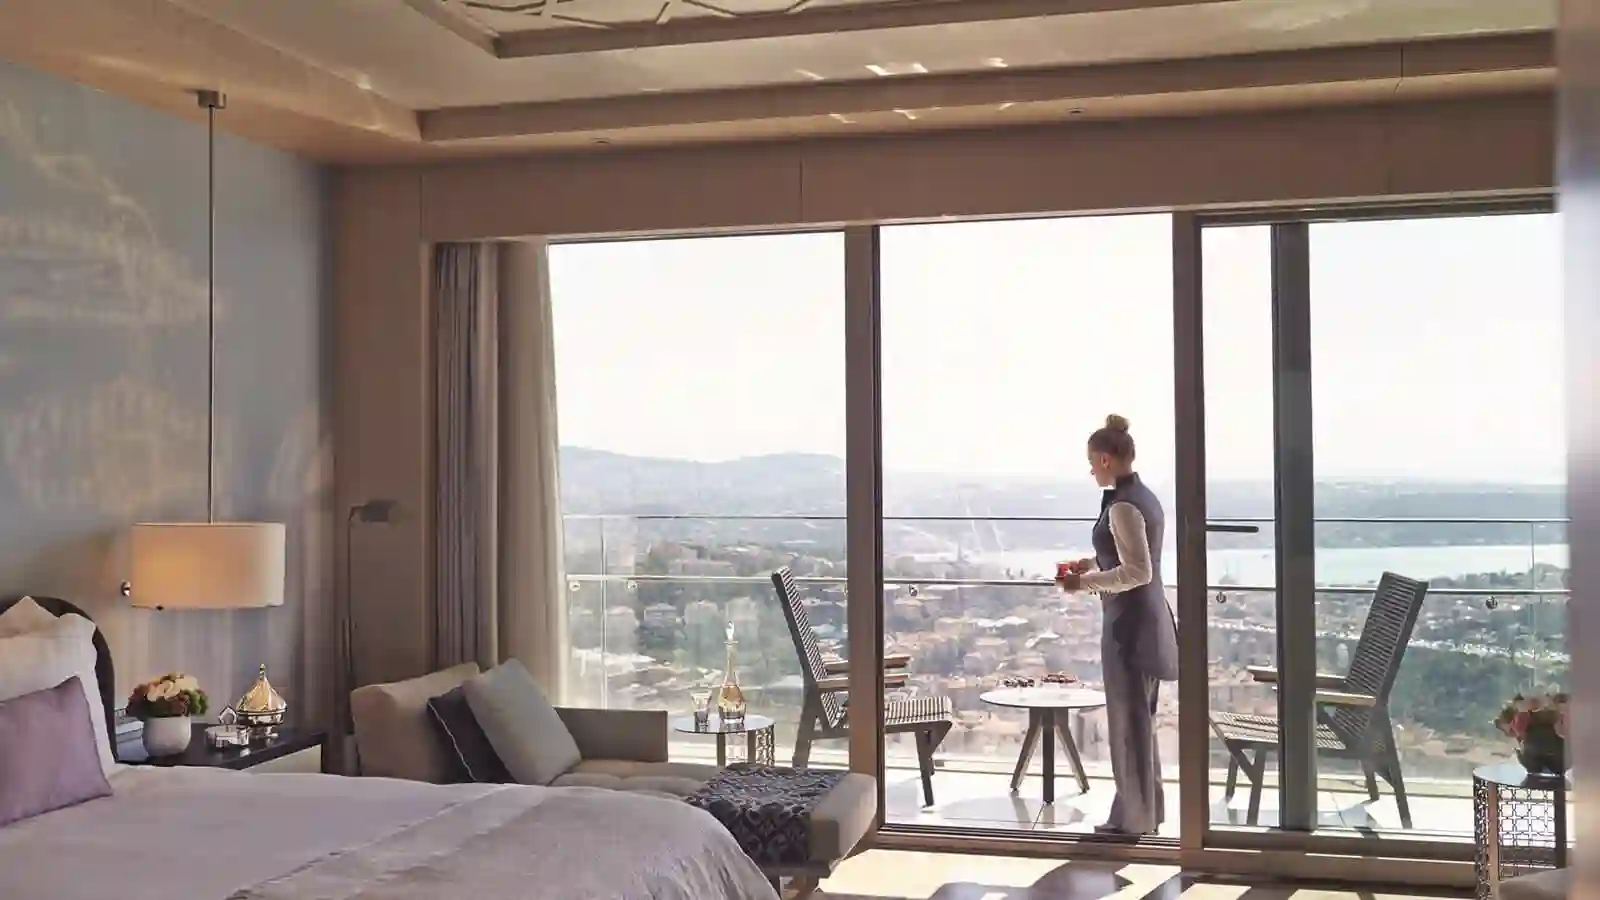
<point x="292" y="750"/>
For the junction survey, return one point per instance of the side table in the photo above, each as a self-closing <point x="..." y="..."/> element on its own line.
<point x="760" y="740"/>
<point x="288" y="742"/>
<point x="1520" y="822"/>
<point x="1048" y="707"/>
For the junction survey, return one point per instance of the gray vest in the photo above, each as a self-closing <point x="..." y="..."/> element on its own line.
<point x="1138" y="626"/>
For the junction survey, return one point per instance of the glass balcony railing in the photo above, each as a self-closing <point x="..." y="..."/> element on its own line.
<point x="650" y="597"/>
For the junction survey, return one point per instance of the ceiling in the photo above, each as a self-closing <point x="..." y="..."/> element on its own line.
<point x="397" y="79"/>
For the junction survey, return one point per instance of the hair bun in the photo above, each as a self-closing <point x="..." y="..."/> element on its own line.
<point x="1116" y="422"/>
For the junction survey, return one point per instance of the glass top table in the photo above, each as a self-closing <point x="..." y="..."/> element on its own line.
<point x="760" y="740"/>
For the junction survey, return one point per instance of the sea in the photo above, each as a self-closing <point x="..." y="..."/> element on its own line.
<point x="1334" y="565"/>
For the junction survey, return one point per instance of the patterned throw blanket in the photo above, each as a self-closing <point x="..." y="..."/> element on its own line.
<point x="767" y="809"/>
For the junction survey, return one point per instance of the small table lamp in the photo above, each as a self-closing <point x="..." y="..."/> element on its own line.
<point x="206" y="565"/>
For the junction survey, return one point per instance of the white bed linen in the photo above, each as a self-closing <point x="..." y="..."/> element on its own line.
<point x="207" y="834"/>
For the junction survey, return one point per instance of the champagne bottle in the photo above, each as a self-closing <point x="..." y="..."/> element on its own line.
<point x="730" y="700"/>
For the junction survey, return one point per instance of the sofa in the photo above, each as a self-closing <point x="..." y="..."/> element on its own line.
<point x="625" y="750"/>
<point x="622" y="749"/>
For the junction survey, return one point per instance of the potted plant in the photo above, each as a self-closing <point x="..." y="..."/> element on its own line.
<point x="1539" y="726"/>
<point x="165" y="705"/>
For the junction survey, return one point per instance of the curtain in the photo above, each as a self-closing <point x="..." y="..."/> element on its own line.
<point x="467" y="454"/>
<point x="500" y="590"/>
<point x="533" y="595"/>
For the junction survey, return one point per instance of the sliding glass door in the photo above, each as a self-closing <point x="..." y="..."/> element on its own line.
<point x="701" y="399"/>
<point x="1005" y="344"/>
<point x="896" y="416"/>
<point x="1383" y="514"/>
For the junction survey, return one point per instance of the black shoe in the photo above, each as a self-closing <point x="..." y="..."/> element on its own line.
<point x="1118" y="831"/>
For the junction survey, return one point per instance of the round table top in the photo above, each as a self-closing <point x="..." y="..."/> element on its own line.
<point x="1045" y="696"/>
<point x="1511" y="774"/>
<point x="715" y="725"/>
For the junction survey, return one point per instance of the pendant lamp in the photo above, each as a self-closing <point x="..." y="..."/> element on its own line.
<point x="207" y="564"/>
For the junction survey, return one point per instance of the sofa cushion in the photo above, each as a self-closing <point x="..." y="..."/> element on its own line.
<point x="395" y="735"/>
<point x="675" y="779"/>
<point x="521" y="724"/>
<point x="463" y="739"/>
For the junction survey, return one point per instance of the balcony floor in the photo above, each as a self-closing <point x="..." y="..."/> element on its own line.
<point x="966" y="799"/>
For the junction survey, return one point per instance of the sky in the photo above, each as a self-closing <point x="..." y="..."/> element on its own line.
<point x="1436" y="346"/>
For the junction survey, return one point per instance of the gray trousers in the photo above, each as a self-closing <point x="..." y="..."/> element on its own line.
<point x="1140" y="805"/>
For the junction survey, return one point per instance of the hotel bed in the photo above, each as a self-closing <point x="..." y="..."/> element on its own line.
<point x="205" y="834"/>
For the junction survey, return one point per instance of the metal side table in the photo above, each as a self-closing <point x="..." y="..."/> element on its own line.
<point x="760" y="741"/>
<point x="1520" y="822"/>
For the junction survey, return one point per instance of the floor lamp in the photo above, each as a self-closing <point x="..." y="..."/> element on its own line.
<point x="379" y="512"/>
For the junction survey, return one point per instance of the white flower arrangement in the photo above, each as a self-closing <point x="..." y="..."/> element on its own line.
<point x="173" y="694"/>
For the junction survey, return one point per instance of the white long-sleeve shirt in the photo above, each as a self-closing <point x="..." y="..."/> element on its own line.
<point x="1133" y="550"/>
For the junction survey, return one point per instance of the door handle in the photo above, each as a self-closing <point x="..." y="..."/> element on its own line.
<point x="1233" y="529"/>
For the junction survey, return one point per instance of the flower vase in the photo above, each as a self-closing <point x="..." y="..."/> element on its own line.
<point x="167" y="736"/>
<point x="1543" y="753"/>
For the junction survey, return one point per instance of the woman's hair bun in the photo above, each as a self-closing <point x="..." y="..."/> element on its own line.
<point x="1116" y="422"/>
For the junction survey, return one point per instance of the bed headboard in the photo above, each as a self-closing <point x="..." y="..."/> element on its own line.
<point x="104" y="675"/>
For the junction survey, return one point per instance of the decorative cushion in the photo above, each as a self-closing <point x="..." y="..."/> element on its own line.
<point x="48" y="759"/>
<point x="464" y="741"/>
<point x="24" y="616"/>
<point x="43" y="659"/>
<point x="395" y="734"/>
<point x="520" y="723"/>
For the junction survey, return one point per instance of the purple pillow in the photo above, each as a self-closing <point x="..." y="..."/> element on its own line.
<point x="48" y="757"/>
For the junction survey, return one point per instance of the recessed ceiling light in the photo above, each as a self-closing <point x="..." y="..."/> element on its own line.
<point x="995" y="62"/>
<point x="887" y="69"/>
<point x="1074" y="112"/>
<point x="811" y="75"/>
<point x="910" y="114"/>
<point x="602" y="140"/>
<point x="364" y="81"/>
<point x="1008" y="104"/>
<point x="841" y="118"/>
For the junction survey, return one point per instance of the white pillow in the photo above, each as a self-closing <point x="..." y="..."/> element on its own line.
<point x="42" y="659"/>
<point x="24" y="616"/>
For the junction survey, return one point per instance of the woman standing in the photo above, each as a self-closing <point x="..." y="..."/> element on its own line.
<point x="1139" y="639"/>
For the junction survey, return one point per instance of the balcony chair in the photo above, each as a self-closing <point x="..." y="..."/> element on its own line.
<point x="825" y="713"/>
<point x="1352" y="710"/>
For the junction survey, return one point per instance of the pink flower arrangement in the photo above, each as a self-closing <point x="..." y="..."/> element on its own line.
<point x="1542" y="713"/>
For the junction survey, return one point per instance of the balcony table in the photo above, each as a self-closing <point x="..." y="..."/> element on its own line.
<point x="1520" y="823"/>
<point x="1048" y="706"/>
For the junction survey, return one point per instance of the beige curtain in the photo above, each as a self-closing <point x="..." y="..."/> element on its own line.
<point x="466" y="403"/>
<point x="533" y="596"/>
<point x="500" y="587"/>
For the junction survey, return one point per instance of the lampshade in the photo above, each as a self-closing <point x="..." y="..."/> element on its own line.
<point x="207" y="565"/>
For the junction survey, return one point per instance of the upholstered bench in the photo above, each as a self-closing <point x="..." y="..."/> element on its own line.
<point x="793" y="823"/>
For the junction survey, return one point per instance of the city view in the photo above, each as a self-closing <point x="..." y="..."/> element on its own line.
<point x="653" y="629"/>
